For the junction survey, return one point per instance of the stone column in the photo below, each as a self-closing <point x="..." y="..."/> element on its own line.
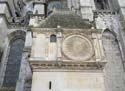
<point x="59" y="45"/>
<point x="4" y="62"/>
<point x="52" y="51"/>
<point x="28" y="41"/>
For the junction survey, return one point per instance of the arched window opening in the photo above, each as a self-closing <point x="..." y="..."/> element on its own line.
<point x="53" y="38"/>
<point x="54" y="5"/>
<point x="13" y="63"/>
<point x="102" y="4"/>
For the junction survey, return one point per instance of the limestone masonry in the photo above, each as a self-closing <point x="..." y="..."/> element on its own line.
<point x="62" y="45"/>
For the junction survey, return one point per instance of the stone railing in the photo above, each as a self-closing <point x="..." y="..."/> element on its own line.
<point x="104" y="12"/>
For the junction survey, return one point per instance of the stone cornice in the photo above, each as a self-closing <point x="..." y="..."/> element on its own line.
<point x="67" y="65"/>
<point x="41" y="30"/>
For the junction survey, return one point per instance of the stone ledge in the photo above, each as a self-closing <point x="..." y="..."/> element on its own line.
<point x="69" y="65"/>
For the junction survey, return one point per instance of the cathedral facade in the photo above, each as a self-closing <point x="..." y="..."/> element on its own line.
<point x="62" y="45"/>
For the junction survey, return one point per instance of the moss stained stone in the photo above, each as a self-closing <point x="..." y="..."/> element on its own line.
<point x="66" y="20"/>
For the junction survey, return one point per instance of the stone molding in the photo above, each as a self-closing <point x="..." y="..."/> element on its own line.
<point x="91" y="65"/>
<point x="83" y="49"/>
<point x="95" y="60"/>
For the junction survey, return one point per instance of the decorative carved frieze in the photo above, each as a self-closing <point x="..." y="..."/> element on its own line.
<point x="90" y="65"/>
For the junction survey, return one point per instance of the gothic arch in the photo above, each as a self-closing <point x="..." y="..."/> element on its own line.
<point x="110" y="31"/>
<point x="114" y="59"/>
<point x="108" y="38"/>
<point x="15" y="35"/>
<point x="16" y="45"/>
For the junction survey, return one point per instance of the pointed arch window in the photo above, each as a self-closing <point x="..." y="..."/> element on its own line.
<point x="101" y="4"/>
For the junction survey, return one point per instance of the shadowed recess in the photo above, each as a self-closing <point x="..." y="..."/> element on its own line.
<point x="13" y="64"/>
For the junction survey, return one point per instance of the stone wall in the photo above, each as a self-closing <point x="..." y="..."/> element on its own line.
<point x="3" y="31"/>
<point x="114" y="74"/>
<point x="68" y="81"/>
